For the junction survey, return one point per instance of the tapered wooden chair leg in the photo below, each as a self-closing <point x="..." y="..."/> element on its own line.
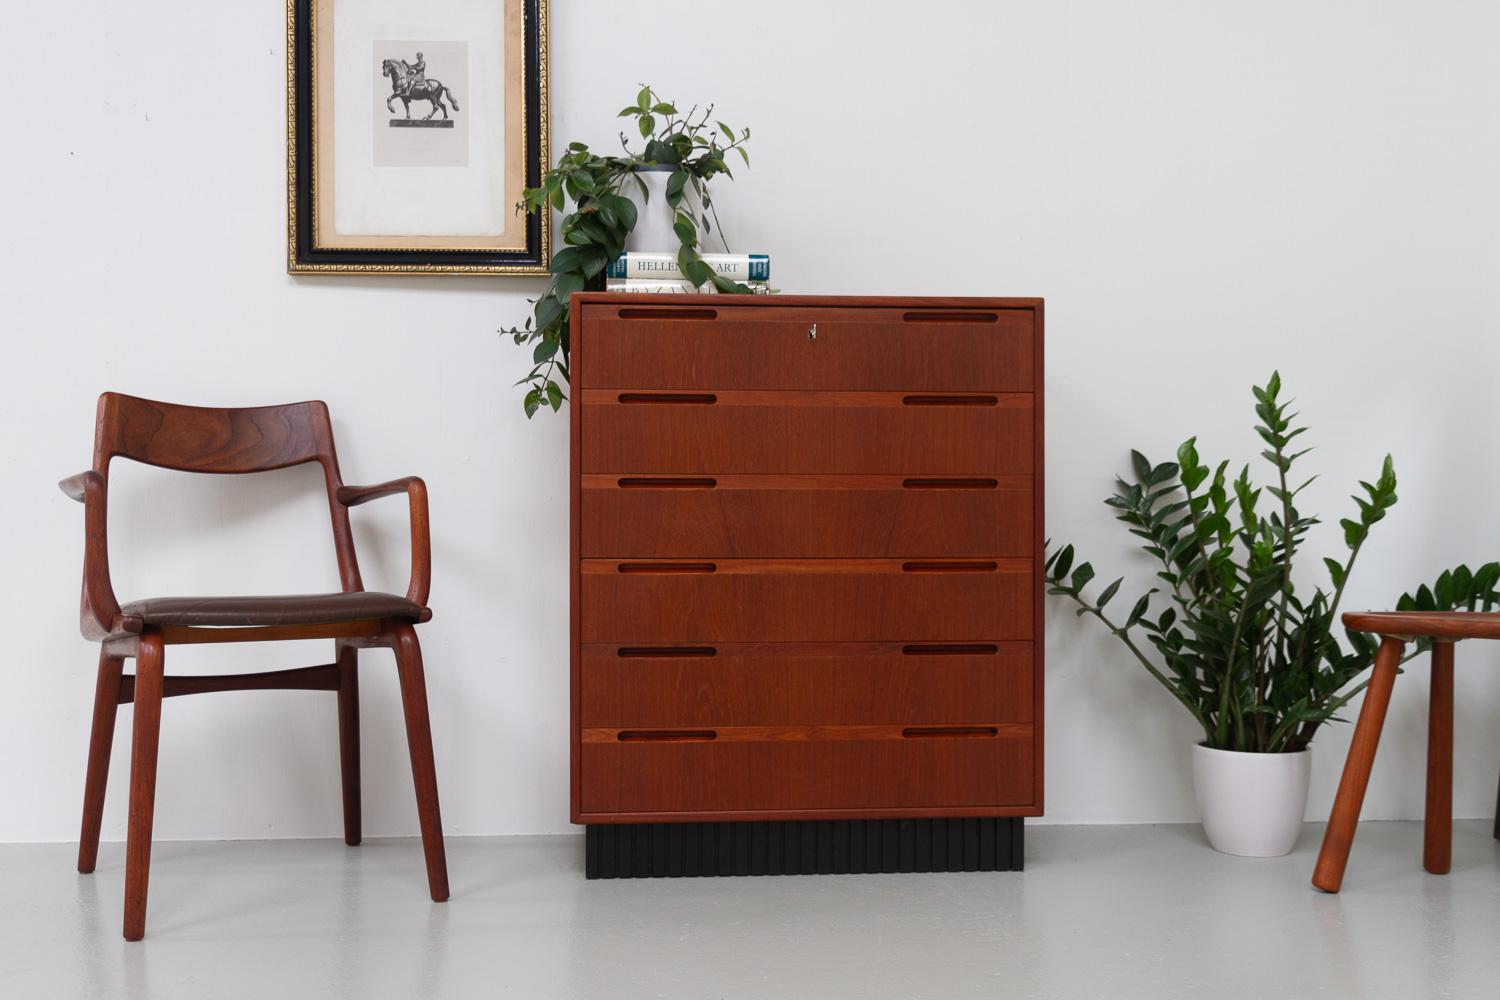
<point x="1437" y="836"/>
<point x="419" y="742"/>
<point x="348" y="663"/>
<point x="1329" y="873"/>
<point x="101" y="739"/>
<point x="147" y="730"/>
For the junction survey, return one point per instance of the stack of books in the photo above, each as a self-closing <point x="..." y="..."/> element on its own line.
<point x="635" y="271"/>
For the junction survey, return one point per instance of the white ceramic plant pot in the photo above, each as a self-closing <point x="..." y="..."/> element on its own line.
<point x="653" y="223"/>
<point x="1252" y="804"/>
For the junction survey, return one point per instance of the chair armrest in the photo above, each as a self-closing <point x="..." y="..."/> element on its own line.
<point x="421" y="534"/>
<point x="353" y="496"/>
<point x="99" y="612"/>
<point x="77" y="486"/>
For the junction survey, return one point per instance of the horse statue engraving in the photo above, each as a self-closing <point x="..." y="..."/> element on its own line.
<point x="410" y="85"/>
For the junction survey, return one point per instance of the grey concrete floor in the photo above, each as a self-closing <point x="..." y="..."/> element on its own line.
<point x="1110" y="912"/>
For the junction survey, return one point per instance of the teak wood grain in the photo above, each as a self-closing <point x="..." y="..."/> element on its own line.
<point x="803" y="583"/>
<point x="1396" y="628"/>
<point x="815" y="433"/>
<point x="650" y="516"/>
<point x="240" y="441"/>
<point x="764" y="684"/>
<point x="814" y="600"/>
<point x="769" y="347"/>
<point x="786" y="776"/>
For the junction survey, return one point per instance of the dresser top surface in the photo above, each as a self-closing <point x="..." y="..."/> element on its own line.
<point x="805" y="301"/>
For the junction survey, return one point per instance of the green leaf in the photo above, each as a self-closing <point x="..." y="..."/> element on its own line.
<point x="566" y="284"/>
<point x="727" y="285"/>
<point x="628" y="112"/>
<point x="663" y="108"/>
<point x="1108" y="593"/>
<point x="566" y="259"/>
<point x="1443" y="591"/>
<point x="1063" y="564"/>
<point x="594" y="261"/>
<point x="545" y="349"/>
<point x="532" y="401"/>
<point x="675" y="185"/>
<point x="685" y="230"/>
<point x="624" y="209"/>
<point x="647" y="124"/>
<point x="698" y="273"/>
<point x="548" y="311"/>
<point x="1142" y="467"/>
<point x="1081" y="576"/>
<point x="554" y="395"/>
<point x="643" y="99"/>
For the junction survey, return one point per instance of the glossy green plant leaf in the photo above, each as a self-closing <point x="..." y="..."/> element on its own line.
<point x="1257" y="661"/>
<point x="595" y="230"/>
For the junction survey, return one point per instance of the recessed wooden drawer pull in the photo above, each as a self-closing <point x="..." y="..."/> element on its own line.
<point x="950" y="317"/>
<point x="667" y="736"/>
<point x="700" y="398"/>
<point x="636" y="313"/>
<point x="949" y="567"/>
<point x="942" y="732"/>
<point x="667" y="483"/>
<point x="950" y="649"/>
<point x="661" y="652"/>
<point x="668" y="567"/>
<point x="949" y="484"/>
<point x="946" y="400"/>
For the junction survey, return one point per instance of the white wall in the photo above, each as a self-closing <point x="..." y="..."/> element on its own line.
<point x="1201" y="194"/>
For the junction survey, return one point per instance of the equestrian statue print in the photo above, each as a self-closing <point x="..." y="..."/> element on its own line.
<point x="410" y="82"/>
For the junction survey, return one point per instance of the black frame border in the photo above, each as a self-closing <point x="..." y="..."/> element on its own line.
<point x="303" y="258"/>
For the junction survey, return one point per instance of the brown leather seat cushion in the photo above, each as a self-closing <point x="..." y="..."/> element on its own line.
<point x="280" y="609"/>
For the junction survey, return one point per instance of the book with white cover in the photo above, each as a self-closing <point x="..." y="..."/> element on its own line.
<point x="664" y="287"/>
<point x="734" y="266"/>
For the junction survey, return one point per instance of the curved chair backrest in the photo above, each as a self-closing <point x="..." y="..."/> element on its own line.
<point x="211" y="439"/>
<point x="227" y="440"/>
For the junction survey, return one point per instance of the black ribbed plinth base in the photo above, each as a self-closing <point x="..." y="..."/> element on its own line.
<point x="805" y="847"/>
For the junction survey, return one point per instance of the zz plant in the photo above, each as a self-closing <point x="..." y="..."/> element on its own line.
<point x="694" y="145"/>
<point x="1255" y="660"/>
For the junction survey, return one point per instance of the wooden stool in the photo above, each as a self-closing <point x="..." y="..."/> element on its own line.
<point x="1396" y="629"/>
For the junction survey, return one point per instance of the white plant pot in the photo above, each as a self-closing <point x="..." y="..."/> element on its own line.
<point x="1252" y="804"/>
<point x="653" y="223"/>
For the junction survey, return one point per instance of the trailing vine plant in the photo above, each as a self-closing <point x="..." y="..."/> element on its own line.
<point x="1255" y="660"/>
<point x="694" y="145"/>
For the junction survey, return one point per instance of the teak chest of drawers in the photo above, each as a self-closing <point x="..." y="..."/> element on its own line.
<point x="806" y="582"/>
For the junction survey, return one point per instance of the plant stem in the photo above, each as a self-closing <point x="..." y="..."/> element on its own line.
<point x="1124" y="637"/>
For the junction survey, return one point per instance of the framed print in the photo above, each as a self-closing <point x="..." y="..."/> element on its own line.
<point x="412" y="128"/>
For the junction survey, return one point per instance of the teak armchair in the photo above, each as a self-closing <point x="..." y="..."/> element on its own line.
<point x="259" y="439"/>
<point x="1396" y="629"/>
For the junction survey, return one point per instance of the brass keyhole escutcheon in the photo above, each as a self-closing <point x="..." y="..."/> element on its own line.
<point x="812" y="332"/>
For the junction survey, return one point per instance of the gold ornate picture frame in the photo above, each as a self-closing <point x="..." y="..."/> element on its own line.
<point x="411" y="131"/>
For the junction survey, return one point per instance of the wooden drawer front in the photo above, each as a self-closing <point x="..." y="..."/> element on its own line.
<point x="756" y="347"/>
<point x="811" y="433"/>
<point x="829" y="600"/>
<point x="807" y="517"/>
<point x="770" y="684"/>
<point x="736" y="772"/>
